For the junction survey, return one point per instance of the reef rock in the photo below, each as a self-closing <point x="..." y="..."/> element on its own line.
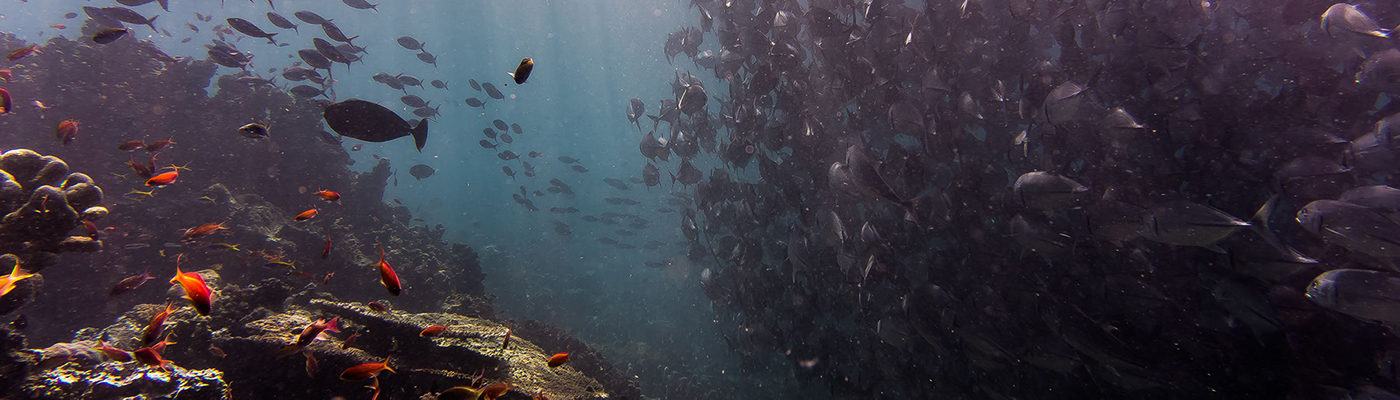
<point x="112" y="380"/>
<point x="40" y="202"/>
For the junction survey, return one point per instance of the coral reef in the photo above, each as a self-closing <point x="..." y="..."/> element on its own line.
<point x="117" y="381"/>
<point x="41" y="203"/>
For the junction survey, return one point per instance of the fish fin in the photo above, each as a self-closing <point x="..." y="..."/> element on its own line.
<point x="152" y="23"/>
<point x="420" y="134"/>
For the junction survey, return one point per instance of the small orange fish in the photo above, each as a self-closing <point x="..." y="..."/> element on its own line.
<point x="350" y="341"/>
<point x="131" y="145"/>
<point x="6" y="104"/>
<point x="505" y="344"/>
<point x="23" y="52"/>
<point x="150" y="356"/>
<point x="432" y="331"/>
<point x="201" y="298"/>
<point x="312" y="367"/>
<point x="67" y="131"/>
<point x="387" y="276"/>
<point x="202" y="231"/>
<point x="129" y="284"/>
<point x="163" y="179"/>
<point x="377" y="306"/>
<point x="558" y="359"/>
<point x="309" y="334"/>
<point x="327" y="280"/>
<point x="365" y="371"/>
<point x="114" y="353"/>
<point x="305" y="215"/>
<point x="159" y="144"/>
<point x="91" y="229"/>
<point x="328" y="195"/>
<point x="59" y="26"/>
<point x="155" y="327"/>
<point x="326" y="251"/>
<point x="217" y="352"/>
<point x="7" y="282"/>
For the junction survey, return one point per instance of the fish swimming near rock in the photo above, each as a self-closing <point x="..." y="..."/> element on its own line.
<point x="247" y="28"/>
<point x="372" y="122"/>
<point x="365" y="371"/>
<point x="196" y="291"/>
<point x="387" y="276"/>
<point x="106" y="36"/>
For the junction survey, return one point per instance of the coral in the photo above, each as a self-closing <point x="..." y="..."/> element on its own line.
<point x="111" y="380"/>
<point x="40" y="200"/>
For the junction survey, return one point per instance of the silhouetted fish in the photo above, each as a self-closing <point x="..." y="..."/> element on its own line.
<point x="371" y="122"/>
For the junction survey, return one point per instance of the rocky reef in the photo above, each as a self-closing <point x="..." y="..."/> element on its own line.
<point x="270" y="275"/>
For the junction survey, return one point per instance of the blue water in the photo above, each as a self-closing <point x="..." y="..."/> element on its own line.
<point x="591" y="57"/>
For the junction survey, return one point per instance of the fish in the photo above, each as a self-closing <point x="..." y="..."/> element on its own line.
<point x="1362" y="294"/>
<point x="350" y="341"/>
<point x="129" y="16"/>
<point x="427" y="58"/>
<point x="225" y="246"/>
<point x="254" y="130"/>
<point x="361" y="5"/>
<point x="651" y="175"/>
<point x="327" y="195"/>
<point x="217" y="352"/>
<point x="107" y="36"/>
<point x="310" y="17"/>
<point x="305" y="215"/>
<point x="522" y="71"/>
<point x="371" y="122"/>
<point x="488" y="392"/>
<point x="281" y="22"/>
<point x="158" y="145"/>
<point x="387" y="276"/>
<point x="1354" y="227"/>
<point x="507" y="155"/>
<point x="491" y="91"/>
<point x="333" y="32"/>
<point x="312" y="366"/>
<point x="23" y="52"/>
<point x="535" y="154"/>
<point x="439" y="84"/>
<point x="1347" y="17"/>
<point x="196" y="291"/>
<point x="432" y="331"/>
<point x="1048" y="192"/>
<point x="365" y="371"/>
<point x="67" y="131"/>
<point x="113" y="353"/>
<point x="558" y="359"/>
<point x="486" y="144"/>
<point x="474" y="102"/>
<point x="377" y="306"/>
<point x="156" y="326"/>
<point x="150" y="356"/>
<point x="421" y="171"/>
<point x="309" y="334"/>
<point x="162" y="179"/>
<point x="6" y="102"/>
<point x="505" y="341"/>
<point x="202" y="231"/>
<point x="567" y="160"/>
<point x="408" y="42"/>
<point x="635" y="110"/>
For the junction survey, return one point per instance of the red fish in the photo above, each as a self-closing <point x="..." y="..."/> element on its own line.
<point x="163" y="179"/>
<point x="365" y="371"/>
<point x="59" y="26"/>
<point x="432" y="331"/>
<point x="490" y="392"/>
<point x="195" y="289"/>
<point x="130" y="283"/>
<point x="150" y="356"/>
<point x="326" y="251"/>
<point x="91" y="229"/>
<point x="350" y="341"/>
<point x="328" y="195"/>
<point x="23" y="52"/>
<point x="159" y="144"/>
<point x="202" y="231"/>
<point x="140" y="169"/>
<point x="558" y="359"/>
<point x="6" y="75"/>
<point x="505" y="344"/>
<point x="377" y="306"/>
<point x="327" y="279"/>
<point x="312" y="367"/>
<point x="156" y="326"/>
<point x="6" y="104"/>
<point x="305" y="215"/>
<point x="217" y="352"/>
<point x="309" y="334"/>
<point x="67" y="130"/>
<point x="387" y="275"/>
<point x="131" y="145"/>
<point x="114" y="353"/>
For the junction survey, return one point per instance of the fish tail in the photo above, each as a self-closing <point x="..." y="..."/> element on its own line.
<point x="152" y="23"/>
<point x="420" y="134"/>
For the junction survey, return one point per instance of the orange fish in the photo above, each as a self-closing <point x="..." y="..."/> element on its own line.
<point x="365" y="371"/>
<point x="202" y="231"/>
<point x="432" y="331"/>
<point x="159" y="144"/>
<point x="217" y="352"/>
<point x="327" y="279"/>
<point x="7" y="282"/>
<point x="59" y="26"/>
<point x="67" y="130"/>
<point x="350" y="341"/>
<point x="150" y="356"/>
<point x="114" y="353"/>
<point x="6" y="104"/>
<point x="91" y="228"/>
<point x="328" y="195"/>
<point x="326" y="251"/>
<point x="195" y="289"/>
<point x="312" y="367"/>
<point x="156" y="326"/>
<point x="505" y="344"/>
<point x="558" y="359"/>
<point x="377" y="306"/>
<point x="490" y="392"/>
<point x="130" y="283"/>
<point x="163" y="179"/>
<point x="387" y="275"/>
<point x="6" y="75"/>
<point x="23" y="52"/>
<point x="131" y="145"/>
<point x="309" y="334"/>
<point x="305" y="215"/>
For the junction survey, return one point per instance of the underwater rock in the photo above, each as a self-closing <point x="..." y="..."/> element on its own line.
<point x="111" y="380"/>
<point x="15" y="362"/>
<point x="39" y="200"/>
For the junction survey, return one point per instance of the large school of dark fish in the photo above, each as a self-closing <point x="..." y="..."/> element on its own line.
<point x="998" y="199"/>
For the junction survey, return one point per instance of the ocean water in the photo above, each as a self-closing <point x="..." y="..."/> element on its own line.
<point x="998" y="199"/>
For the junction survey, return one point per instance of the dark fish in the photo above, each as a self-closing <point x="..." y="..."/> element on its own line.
<point x="616" y="183"/>
<point x="534" y="154"/>
<point x="281" y="22"/>
<point x="507" y="155"/>
<point x="490" y="133"/>
<point x="509" y="172"/>
<point x="129" y="284"/>
<point x="253" y="131"/>
<point x="522" y="72"/>
<point x="333" y="32"/>
<point x="361" y="5"/>
<point x="505" y="137"/>
<point x="421" y="171"/>
<point x="475" y="86"/>
<point x="688" y="174"/>
<point x="473" y="102"/>
<point x="126" y="15"/>
<point x="426" y="112"/>
<point x="635" y="110"/>
<point x="413" y="101"/>
<point x="314" y="59"/>
<point x="439" y="84"/>
<point x="515" y="128"/>
<point x="247" y="28"/>
<point x="310" y="17"/>
<point x="106" y="36"/>
<point x="486" y="144"/>
<point x="371" y="122"/>
<point x="306" y="91"/>
<point x="408" y="42"/>
<point x="330" y="52"/>
<point x="651" y="175"/>
<point x="567" y="159"/>
<point x="501" y="125"/>
<point x="70" y="15"/>
<point x="579" y="169"/>
<point x="491" y="91"/>
<point x="427" y="58"/>
<point x="101" y="18"/>
<point x="410" y="80"/>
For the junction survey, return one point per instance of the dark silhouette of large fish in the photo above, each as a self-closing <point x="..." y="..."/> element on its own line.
<point x="371" y="122"/>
